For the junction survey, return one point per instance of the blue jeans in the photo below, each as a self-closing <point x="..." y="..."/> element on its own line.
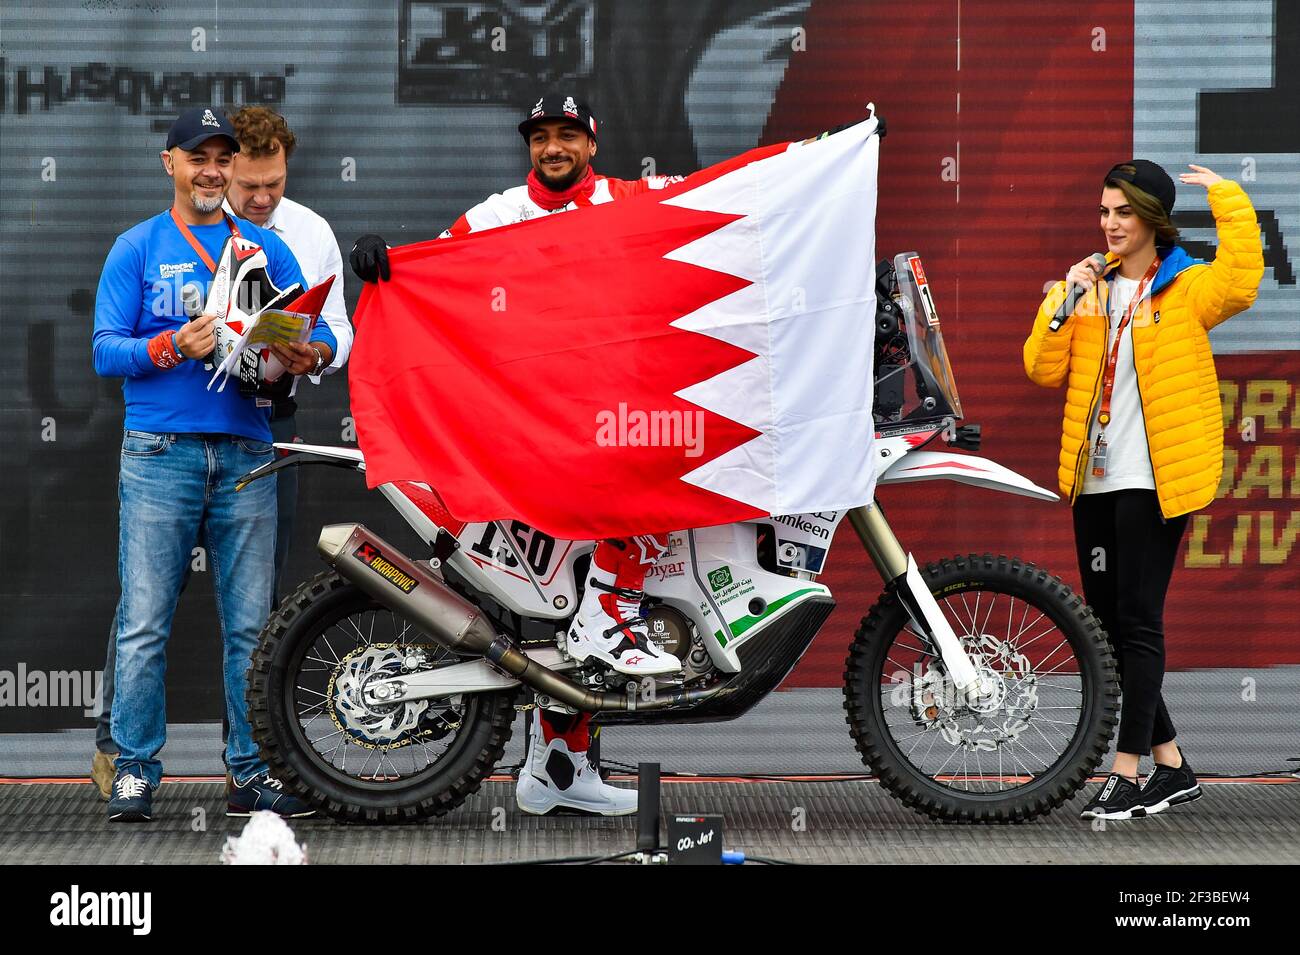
<point x="175" y="489"/>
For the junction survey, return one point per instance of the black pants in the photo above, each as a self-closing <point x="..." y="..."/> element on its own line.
<point x="1126" y="556"/>
<point x="284" y="430"/>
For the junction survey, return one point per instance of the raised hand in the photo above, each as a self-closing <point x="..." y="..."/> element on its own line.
<point x="1202" y="176"/>
<point x="369" y="258"/>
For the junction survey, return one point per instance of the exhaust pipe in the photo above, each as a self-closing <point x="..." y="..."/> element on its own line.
<point x="399" y="583"/>
<point x="387" y="575"/>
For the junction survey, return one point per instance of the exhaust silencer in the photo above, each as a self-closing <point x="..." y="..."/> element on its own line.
<point x="390" y="577"/>
<point x="386" y="574"/>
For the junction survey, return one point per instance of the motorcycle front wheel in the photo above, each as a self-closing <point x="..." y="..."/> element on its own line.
<point x="1023" y="752"/>
<point x="353" y="759"/>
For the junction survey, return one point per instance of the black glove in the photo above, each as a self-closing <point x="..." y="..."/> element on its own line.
<point x="880" y="131"/>
<point x="369" y="258"/>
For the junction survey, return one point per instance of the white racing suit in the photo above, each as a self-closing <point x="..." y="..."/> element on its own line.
<point x="627" y="560"/>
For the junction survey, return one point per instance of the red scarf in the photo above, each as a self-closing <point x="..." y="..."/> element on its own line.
<point x="550" y="200"/>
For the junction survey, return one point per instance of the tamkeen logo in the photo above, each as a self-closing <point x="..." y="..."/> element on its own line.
<point x="801" y="522"/>
<point x="369" y="555"/>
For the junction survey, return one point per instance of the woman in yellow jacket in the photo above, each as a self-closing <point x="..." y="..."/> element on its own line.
<point x="1142" y="442"/>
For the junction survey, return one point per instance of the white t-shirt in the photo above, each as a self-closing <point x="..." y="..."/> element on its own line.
<point x="1128" y="459"/>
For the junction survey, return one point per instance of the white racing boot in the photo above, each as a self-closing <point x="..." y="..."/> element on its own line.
<point x="555" y="777"/>
<point x="609" y="627"/>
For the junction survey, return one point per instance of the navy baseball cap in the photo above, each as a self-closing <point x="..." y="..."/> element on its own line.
<point x="559" y="106"/>
<point x="1150" y="178"/>
<point x="199" y="124"/>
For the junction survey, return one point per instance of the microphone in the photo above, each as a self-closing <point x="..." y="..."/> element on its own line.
<point x="1072" y="297"/>
<point x="192" y="300"/>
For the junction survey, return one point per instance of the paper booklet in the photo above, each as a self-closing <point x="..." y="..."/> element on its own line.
<point x="252" y="314"/>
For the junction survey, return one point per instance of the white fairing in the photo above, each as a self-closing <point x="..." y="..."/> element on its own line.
<point x="902" y="467"/>
<point x="343" y="454"/>
<point x="711" y="575"/>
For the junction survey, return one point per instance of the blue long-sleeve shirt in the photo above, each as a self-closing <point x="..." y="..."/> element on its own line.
<point x="139" y="297"/>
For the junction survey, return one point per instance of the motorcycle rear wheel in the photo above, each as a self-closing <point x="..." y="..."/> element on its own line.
<point x="909" y="726"/>
<point x="321" y="740"/>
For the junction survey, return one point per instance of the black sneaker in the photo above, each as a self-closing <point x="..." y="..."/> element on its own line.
<point x="264" y="793"/>
<point x="1168" y="787"/>
<point x="1118" y="799"/>
<point x="130" y="799"/>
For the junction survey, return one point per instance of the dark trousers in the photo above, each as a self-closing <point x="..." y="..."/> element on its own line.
<point x="1126" y="555"/>
<point x="282" y="429"/>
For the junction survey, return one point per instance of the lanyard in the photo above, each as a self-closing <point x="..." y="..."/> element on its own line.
<point x="1108" y="384"/>
<point x="194" y="243"/>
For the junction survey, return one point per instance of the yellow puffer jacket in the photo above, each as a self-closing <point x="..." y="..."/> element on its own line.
<point x="1171" y="349"/>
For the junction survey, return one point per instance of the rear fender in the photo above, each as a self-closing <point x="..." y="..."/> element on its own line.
<point x="295" y="455"/>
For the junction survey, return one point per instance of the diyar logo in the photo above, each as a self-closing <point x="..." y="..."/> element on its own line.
<point x="369" y="555"/>
<point x="720" y="578"/>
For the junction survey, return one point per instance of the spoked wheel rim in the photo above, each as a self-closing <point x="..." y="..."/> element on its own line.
<point x="383" y="748"/>
<point x="1033" y="723"/>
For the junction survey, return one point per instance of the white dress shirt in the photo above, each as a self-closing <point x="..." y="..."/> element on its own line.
<point x="311" y="240"/>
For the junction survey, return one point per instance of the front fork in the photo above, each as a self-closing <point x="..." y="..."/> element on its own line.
<point x="899" y="571"/>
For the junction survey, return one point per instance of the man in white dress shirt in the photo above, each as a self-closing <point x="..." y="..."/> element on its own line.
<point x="257" y="194"/>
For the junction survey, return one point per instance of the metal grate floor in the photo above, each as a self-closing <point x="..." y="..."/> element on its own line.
<point x="845" y="821"/>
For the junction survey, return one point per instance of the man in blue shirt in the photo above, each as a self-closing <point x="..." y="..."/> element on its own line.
<point x="182" y="449"/>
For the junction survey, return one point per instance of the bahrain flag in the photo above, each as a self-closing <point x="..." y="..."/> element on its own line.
<point x="685" y="357"/>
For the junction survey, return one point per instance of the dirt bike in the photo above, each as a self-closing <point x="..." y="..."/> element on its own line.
<point x="979" y="688"/>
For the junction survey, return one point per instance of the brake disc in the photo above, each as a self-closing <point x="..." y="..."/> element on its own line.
<point x="373" y="725"/>
<point x="1002" y="718"/>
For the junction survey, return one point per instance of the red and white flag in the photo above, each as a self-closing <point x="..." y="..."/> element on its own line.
<point x="688" y="357"/>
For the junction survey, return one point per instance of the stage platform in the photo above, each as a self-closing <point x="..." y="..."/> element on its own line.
<point x="844" y="820"/>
